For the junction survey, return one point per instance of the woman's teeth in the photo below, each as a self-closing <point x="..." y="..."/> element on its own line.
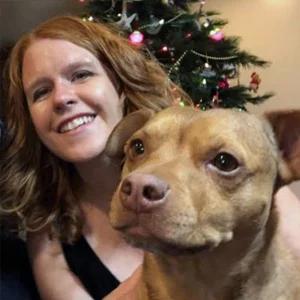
<point x="75" y="123"/>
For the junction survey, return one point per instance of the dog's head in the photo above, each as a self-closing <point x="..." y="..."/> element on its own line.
<point x="197" y="179"/>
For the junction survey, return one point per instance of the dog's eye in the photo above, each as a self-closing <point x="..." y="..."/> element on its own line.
<point x="137" y="147"/>
<point x="225" y="162"/>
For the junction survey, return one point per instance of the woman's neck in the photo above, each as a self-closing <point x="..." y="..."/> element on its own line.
<point x="98" y="180"/>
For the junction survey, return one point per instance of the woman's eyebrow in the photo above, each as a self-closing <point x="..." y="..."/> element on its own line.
<point x="32" y="85"/>
<point x="78" y="64"/>
<point x="68" y="68"/>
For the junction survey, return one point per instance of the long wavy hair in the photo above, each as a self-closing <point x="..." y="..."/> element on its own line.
<point x="36" y="186"/>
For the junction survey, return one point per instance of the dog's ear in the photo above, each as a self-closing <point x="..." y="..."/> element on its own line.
<point x="286" y="126"/>
<point x="124" y="130"/>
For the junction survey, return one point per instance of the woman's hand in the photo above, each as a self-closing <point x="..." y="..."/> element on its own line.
<point x="54" y="279"/>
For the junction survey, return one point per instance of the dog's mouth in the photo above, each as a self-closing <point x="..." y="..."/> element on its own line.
<point x="138" y="237"/>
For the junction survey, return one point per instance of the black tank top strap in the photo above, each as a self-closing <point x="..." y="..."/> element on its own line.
<point x="86" y="265"/>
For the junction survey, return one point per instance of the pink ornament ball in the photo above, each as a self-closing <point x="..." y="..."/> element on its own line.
<point x="136" y="37"/>
<point x="216" y="35"/>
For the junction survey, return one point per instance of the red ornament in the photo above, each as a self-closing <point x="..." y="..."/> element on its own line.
<point x="254" y="83"/>
<point x="223" y="84"/>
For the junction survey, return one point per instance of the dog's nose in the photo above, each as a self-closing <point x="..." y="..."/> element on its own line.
<point x="143" y="192"/>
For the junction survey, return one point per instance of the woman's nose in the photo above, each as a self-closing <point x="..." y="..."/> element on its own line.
<point x="64" y="97"/>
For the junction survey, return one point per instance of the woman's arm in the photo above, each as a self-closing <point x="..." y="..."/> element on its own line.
<point x="54" y="279"/>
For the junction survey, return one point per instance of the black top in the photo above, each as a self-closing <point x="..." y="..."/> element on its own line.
<point x="83" y="262"/>
<point x="16" y="278"/>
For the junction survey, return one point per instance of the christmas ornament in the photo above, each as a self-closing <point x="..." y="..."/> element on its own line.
<point x="136" y="37"/>
<point x="254" y="83"/>
<point x="155" y="26"/>
<point x="216" y="35"/>
<point x="208" y="72"/>
<point x="230" y="69"/>
<point x="125" y="21"/>
<point x="223" y="84"/>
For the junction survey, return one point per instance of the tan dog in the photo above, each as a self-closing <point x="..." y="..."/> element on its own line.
<point x="197" y="192"/>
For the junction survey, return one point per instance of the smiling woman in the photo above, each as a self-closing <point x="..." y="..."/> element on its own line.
<point x="70" y="98"/>
<point x="69" y="82"/>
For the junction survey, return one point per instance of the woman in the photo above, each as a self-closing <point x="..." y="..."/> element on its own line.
<point x="69" y="82"/>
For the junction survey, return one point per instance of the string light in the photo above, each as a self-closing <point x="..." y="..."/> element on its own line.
<point x="206" y="23"/>
<point x="161" y="22"/>
<point x="207" y="65"/>
<point x="214" y="57"/>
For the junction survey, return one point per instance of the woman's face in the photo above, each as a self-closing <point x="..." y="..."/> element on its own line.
<point x="73" y="103"/>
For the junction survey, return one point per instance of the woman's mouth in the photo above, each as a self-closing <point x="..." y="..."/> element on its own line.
<point x="75" y="123"/>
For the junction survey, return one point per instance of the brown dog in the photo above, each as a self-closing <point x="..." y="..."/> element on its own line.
<point x="197" y="192"/>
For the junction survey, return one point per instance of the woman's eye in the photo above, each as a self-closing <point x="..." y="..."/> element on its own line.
<point x="225" y="162"/>
<point x="40" y="93"/>
<point x="136" y="148"/>
<point x="81" y="75"/>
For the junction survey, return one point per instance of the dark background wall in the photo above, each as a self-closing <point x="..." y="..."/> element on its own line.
<point x="19" y="16"/>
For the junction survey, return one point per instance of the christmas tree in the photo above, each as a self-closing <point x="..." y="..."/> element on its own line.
<point x="189" y="44"/>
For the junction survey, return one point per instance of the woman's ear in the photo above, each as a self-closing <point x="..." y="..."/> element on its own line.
<point x="124" y="130"/>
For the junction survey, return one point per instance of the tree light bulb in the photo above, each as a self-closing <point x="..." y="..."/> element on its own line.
<point x="206" y="23"/>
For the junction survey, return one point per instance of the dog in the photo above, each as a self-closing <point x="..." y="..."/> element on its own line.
<point x="197" y="193"/>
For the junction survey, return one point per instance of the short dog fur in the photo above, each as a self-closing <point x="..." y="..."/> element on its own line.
<point x="197" y="193"/>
